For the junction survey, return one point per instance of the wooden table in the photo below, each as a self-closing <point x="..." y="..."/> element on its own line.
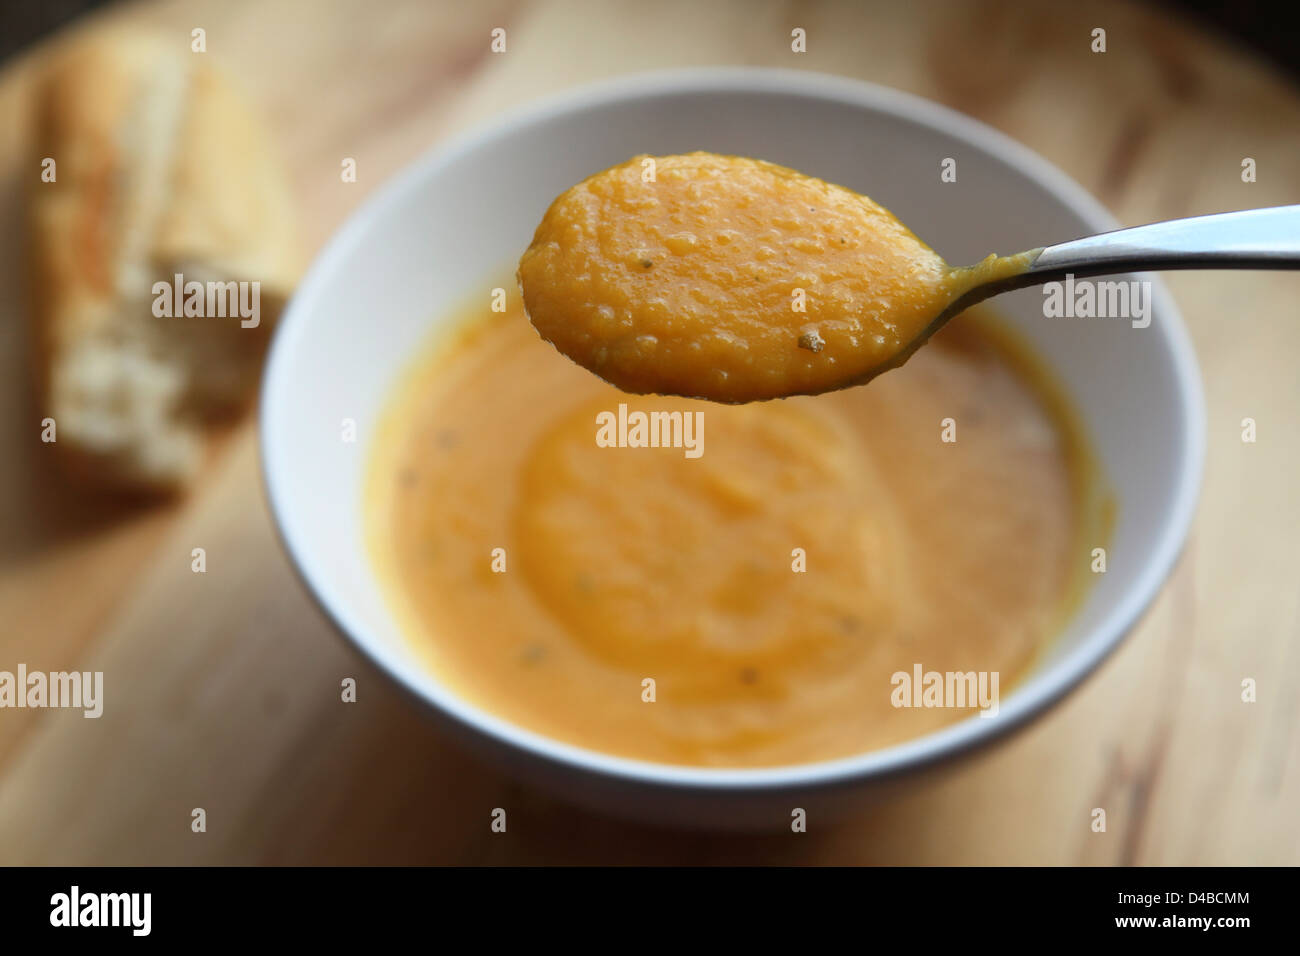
<point x="222" y="688"/>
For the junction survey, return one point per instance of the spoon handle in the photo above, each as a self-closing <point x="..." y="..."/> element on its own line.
<point x="1250" y="239"/>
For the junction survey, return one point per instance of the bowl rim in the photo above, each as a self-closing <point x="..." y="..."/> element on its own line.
<point x="1030" y="697"/>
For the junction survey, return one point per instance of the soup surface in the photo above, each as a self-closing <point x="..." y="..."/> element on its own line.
<point x="744" y="594"/>
<point x="734" y="279"/>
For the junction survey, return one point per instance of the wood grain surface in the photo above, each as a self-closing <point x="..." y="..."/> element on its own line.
<point x="222" y="688"/>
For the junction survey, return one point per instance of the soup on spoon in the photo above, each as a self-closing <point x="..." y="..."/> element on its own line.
<point x="734" y="280"/>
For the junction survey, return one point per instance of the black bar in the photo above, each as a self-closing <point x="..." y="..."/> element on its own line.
<point x="334" y="905"/>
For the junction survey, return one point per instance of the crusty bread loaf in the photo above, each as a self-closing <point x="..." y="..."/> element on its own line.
<point x="160" y="169"/>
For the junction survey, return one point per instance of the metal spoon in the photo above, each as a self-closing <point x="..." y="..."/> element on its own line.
<point x="1251" y="239"/>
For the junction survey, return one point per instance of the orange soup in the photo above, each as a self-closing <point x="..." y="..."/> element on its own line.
<point x="734" y="279"/>
<point x="724" y="585"/>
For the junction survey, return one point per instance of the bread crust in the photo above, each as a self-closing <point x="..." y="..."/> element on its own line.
<point x="161" y="168"/>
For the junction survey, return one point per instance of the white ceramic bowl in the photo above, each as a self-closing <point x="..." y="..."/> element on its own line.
<point x="465" y="211"/>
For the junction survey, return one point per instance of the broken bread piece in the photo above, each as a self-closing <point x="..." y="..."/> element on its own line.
<point x="163" y="180"/>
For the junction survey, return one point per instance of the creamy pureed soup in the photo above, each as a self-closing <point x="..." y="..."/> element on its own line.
<point x="735" y="280"/>
<point x="771" y="567"/>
